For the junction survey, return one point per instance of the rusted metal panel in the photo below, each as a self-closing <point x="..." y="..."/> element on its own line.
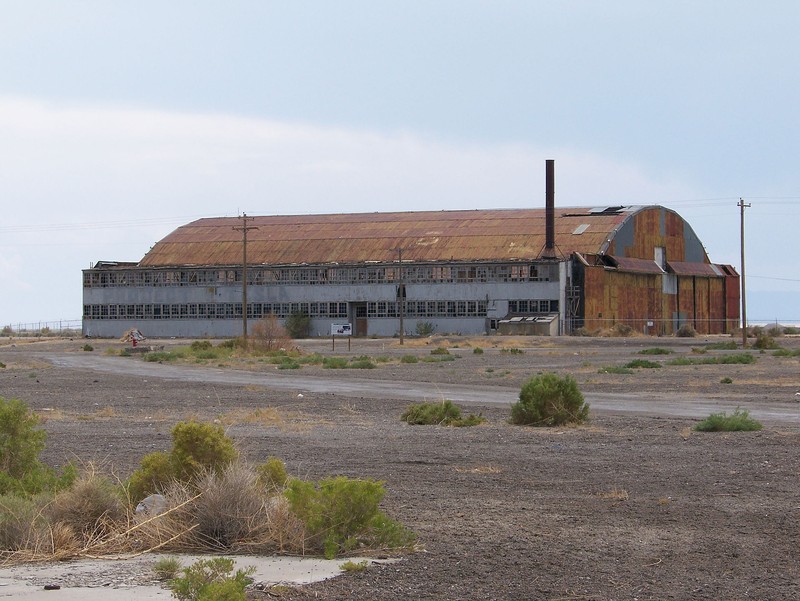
<point x="637" y="265"/>
<point x="702" y="269"/>
<point x="487" y="235"/>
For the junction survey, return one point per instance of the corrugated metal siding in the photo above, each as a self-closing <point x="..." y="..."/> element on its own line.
<point x="489" y="235"/>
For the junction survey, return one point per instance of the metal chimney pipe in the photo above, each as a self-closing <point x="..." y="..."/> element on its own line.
<point x="550" y="209"/>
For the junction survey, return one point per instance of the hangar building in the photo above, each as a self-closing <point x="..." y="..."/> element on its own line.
<point x="520" y="271"/>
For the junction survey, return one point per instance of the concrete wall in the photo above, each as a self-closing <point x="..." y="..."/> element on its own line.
<point x="495" y="294"/>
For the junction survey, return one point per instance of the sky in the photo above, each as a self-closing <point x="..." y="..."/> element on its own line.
<point x="120" y="121"/>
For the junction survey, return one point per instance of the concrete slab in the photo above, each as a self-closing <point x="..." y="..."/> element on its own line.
<point x="123" y="579"/>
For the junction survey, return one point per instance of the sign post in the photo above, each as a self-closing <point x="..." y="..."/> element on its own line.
<point x="341" y="329"/>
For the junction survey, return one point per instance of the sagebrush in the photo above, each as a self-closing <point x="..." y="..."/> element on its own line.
<point x="549" y="400"/>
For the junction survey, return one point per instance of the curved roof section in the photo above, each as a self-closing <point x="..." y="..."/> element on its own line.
<point x="479" y="235"/>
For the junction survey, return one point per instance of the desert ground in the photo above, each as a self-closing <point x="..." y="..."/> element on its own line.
<point x="632" y="505"/>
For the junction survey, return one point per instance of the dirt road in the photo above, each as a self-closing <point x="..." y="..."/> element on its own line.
<point x="634" y="505"/>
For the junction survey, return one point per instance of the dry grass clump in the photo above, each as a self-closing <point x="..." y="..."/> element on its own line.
<point x="228" y="511"/>
<point x="619" y="330"/>
<point x="92" y="507"/>
<point x="615" y="494"/>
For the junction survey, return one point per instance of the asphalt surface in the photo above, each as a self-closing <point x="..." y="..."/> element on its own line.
<point x="654" y="404"/>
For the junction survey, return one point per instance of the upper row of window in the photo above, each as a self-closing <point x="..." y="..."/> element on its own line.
<point x="112" y="278"/>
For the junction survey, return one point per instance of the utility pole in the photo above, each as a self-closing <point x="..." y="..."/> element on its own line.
<point x="244" y="228"/>
<point x="742" y="205"/>
<point x="401" y="292"/>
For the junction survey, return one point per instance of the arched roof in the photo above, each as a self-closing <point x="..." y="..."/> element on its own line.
<point x="478" y="235"/>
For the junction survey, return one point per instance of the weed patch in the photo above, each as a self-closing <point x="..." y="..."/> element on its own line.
<point x="352" y="566"/>
<point x="656" y="351"/>
<point x="211" y="579"/>
<point x="445" y="413"/>
<point x="738" y="358"/>
<point x="642" y="364"/>
<point x="739" y="421"/>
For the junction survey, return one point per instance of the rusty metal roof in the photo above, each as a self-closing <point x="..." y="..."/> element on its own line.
<point x="479" y="235"/>
<point x="637" y="265"/>
<point x="701" y="269"/>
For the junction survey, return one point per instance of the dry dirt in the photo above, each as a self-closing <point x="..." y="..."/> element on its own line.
<point x="630" y="506"/>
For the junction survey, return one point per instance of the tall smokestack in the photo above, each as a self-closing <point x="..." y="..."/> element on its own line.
<point x="550" y="209"/>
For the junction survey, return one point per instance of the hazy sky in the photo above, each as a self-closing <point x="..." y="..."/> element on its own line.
<point x="120" y="121"/>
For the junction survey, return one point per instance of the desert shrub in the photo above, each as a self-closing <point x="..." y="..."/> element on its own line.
<point x="512" y="351"/>
<point x="409" y="359"/>
<point x="440" y="350"/>
<point x="272" y="475"/>
<point x="642" y="363"/>
<point x="7" y="331"/>
<point x="227" y="512"/>
<point x="739" y="421"/>
<point x="26" y="533"/>
<point x="729" y="345"/>
<point x="341" y="513"/>
<point x="167" y="568"/>
<point x="201" y="345"/>
<point x="20" y="439"/>
<point x="91" y="507"/>
<point x="438" y="414"/>
<point x="88" y="348"/>
<point x="686" y="331"/>
<point x="229" y="344"/>
<point x="2" y="365"/>
<point x="425" y="328"/>
<point x="656" y="351"/>
<point x="549" y="400"/>
<point x="791" y="330"/>
<point x="298" y="325"/>
<point x="211" y="580"/>
<point x="153" y="475"/>
<point x="726" y="380"/>
<point x="477" y="351"/>
<point x="198" y="447"/>
<point x="288" y="363"/>
<point x="269" y="335"/>
<point x="21" y="442"/>
<point x="786" y="353"/>
<point x="764" y="342"/>
<point x="20" y="518"/>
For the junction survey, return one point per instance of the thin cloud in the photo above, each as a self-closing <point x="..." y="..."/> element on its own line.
<point x="85" y="165"/>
